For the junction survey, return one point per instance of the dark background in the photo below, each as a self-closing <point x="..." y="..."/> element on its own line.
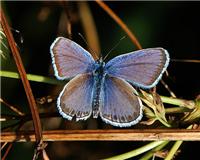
<point x="171" y="25"/>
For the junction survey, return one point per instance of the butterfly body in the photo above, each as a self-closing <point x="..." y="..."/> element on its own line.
<point x="105" y="89"/>
<point x="98" y="76"/>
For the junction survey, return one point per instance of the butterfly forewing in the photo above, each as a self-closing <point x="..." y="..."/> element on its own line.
<point x="143" y="68"/>
<point x="120" y="105"/>
<point x="70" y="59"/>
<point x="76" y="98"/>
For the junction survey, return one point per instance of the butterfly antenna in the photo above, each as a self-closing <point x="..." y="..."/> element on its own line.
<point x="114" y="47"/>
<point x="94" y="53"/>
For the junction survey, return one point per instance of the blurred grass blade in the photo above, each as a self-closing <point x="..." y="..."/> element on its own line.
<point x="173" y="150"/>
<point x="175" y="147"/>
<point x="32" y="77"/>
<point x="150" y="154"/>
<point x="137" y="151"/>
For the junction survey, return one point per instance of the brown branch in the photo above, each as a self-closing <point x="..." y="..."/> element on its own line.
<point x="18" y="61"/>
<point x="106" y="135"/>
<point x="120" y="23"/>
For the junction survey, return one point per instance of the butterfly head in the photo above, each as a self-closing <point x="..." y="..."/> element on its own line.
<point x="99" y="67"/>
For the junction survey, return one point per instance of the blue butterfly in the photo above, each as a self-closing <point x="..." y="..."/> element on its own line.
<point x="105" y="89"/>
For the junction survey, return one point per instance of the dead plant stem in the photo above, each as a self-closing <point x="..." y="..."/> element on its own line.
<point x="120" y="23"/>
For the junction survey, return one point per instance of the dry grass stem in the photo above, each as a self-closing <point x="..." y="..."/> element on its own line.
<point x="106" y="135"/>
<point x="120" y="23"/>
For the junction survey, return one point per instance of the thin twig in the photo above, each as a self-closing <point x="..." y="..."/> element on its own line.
<point x="2" y="147"/>
<point x="13" y="108"/>
<point x="120" y="23"/>
<point x="168" y="89"/>
<point x="7" y="151"/>
<point x="10" y="126"/>
<point x="28" y="116"/>
<point x="23" y="119"/>
<point x="186" y="60"/>
<point x="20" y="67"/>
<point x="106" y="135"/>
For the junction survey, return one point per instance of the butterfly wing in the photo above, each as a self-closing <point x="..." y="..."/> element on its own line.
<point x="120" y="105"/>
<point x="76" y="98"/>
<point x="143" y="68"/>
<point x="69" y="58"/>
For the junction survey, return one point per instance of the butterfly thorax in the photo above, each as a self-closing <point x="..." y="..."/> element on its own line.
<point x="99" y="76"/>
<point x="99" y="68"/>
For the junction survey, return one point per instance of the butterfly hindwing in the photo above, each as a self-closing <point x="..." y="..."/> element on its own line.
<point x="143" y="68"/>
<point x="69" y="58"/>
<point x="76" y="98"/>
<point x="120" y="105"/>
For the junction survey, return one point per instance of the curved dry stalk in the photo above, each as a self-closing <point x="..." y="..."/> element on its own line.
<point x="120" y="23"/>
<point x="18" y="61"/>
<point x="22" y="72"/>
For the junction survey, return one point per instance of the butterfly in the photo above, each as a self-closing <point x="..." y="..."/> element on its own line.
<point x="105" y="89"/>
